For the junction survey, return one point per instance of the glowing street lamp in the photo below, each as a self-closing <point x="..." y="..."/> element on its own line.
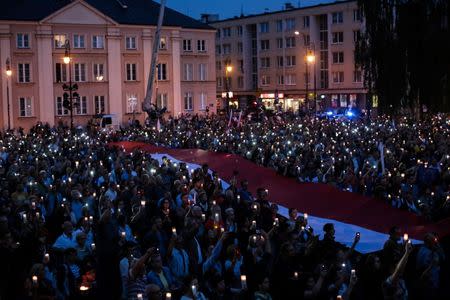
<point x="8" y="74"/>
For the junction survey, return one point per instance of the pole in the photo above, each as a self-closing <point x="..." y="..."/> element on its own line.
<point x="315" y="82"/>
<point x="70" y="93"/>
<point x="306" y="84"/>
<point x="7" y="99"/>
<point x="227" y="87"/>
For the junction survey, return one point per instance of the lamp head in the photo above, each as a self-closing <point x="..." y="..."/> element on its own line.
<point x="229" y="68"/>
<point x="8" y="67"/>
<point x="310" y="57"/>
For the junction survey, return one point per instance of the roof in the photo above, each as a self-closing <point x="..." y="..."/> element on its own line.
<point x="284" y="11"/>
<point x="138" y="12"/>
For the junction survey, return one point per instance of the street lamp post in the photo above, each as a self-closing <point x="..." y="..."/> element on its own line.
<point x="8" y="74"/>
<point x="311" y="58"/>
<point x="71" y="88"/>
<point x="228" y="70"/>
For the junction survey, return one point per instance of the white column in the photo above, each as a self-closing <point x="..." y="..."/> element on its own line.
<point x="176" y="69"/>
<point x="45" y="76"/>
<point x="115" y="74"/>
<point x="5" y="53"/>
<point x="147" y="50"/>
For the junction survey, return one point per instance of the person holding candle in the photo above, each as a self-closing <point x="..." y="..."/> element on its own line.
<point x="192" y="292"/>
<point x="160" y="274"/>
<point x="178" y="258"/>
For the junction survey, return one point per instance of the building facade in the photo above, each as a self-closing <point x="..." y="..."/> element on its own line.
<point x="110" y="48"/>
<point x="298" y="58"/>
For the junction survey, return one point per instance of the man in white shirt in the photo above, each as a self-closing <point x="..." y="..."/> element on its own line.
<point x="66" y="240"/>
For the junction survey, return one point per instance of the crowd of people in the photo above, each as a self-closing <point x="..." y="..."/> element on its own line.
<point x="80" y="219"/>
<point x="399" y="160"/>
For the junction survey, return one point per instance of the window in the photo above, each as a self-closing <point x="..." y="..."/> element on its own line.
<point x="265" y="45"/>
<point x="356" y="35"/>
<point x="218" y="49"/>
<point x="218" y="34"/>
<point x="163" y="43"/>
<point x="290" y="79"/>
<point x="264" y="27"/>
<point x="80" y="72"/>
<point x="279" y="25"/>
<point x="203" y="101"/>
<point x="161" y="100"/>
<point x="23" y="40"/>
<point x="337" y="37"/>
<point x="265" y="62"/>
<point x="307" y="77"/>
<point x="59" y="40"/>
<point x="132" y="103"/>
<point x="241" y="65"/>
<point x="240" y="80"/>
<point x="226" y="48"/>
<point x="226" y="32"/>
<point x="188" y="72"/>
<point x="98" y="72"/>
<point x="130" y="42"/>
<point x="357" y="76"/>
<point x="78" y="41"/>
<point x="81" y="107"/>
<point x="188" y="101"/>
<point x="98" y="42"/>
<point x="201" y="45"/>
<point x="306" y="22"/>
<point x="60" y="72"/>
<point x="337" y="17"/>
<point x="239" y="30"/>
<point x="202" y="72"/>
<point x="338" y="57"/>
<point x="338" y="77"/>
<point x="280" y="79"/>
<point x="306" y="40"/>
<point x="290" y="42"/>
<point x="280" y="43"/>
<point x="25" y="107"/>
<point x="219" y="82"/>
<point x="290" y="24"/>
<point x="187" y="45"/>
<point x="131" y="72"/>
<point x="357" y="15"/>
<point x="99" y="104"/>
<point x="290" y="61"/>
<point x="24" y="73"/>
<point x="162" y="71"/>
<point x="239" y="47"/>
<point x="218" y="65"/>
<point x="60" y="110"/>
<point x="265" y="80"/>
<point x="280" y="61"/>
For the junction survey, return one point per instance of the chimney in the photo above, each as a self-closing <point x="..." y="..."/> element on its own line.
<point x="288" y="6"/>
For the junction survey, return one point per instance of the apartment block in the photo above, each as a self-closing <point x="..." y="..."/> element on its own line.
<point x="110" y="48"/>
<point x="267" y="55"/>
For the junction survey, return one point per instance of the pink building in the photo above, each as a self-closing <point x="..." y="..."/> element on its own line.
<point x="111" y="45"/>
<point x="267" y="53"/>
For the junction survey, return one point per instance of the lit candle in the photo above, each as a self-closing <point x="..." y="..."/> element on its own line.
<point x="253" y="223"/>
<point x="93" y="246"/>
<point x="296" y="275"/>
<point x="216" y="217"/>
<point x="139" y="296"/>
<point x="203" y="217"/>
<point x="37" y="215"/>
<point x="35" y="280"/>
<point x="123" y="234"/>
<point x="168" y="296"/>
<point x="244" y="281"/>
<point x="405" y="237"/>
<point x="222" y="229"/>
<point x="24" y="217"/>
<point x="214" y="202"/>
<point x="143" y="203"/>
<point x="194" y="289"/>
<point x="47" y="257"/>
<point x="305" y="215"/>
<point x="353" y="272"/>
<point x="174" y="231"/>
<point x="33" y="205"/>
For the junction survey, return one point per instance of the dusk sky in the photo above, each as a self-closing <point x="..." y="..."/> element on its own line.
<point x="231" y="8"/>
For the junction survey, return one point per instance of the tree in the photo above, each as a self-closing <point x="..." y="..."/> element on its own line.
<point x="404" y="53"/>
